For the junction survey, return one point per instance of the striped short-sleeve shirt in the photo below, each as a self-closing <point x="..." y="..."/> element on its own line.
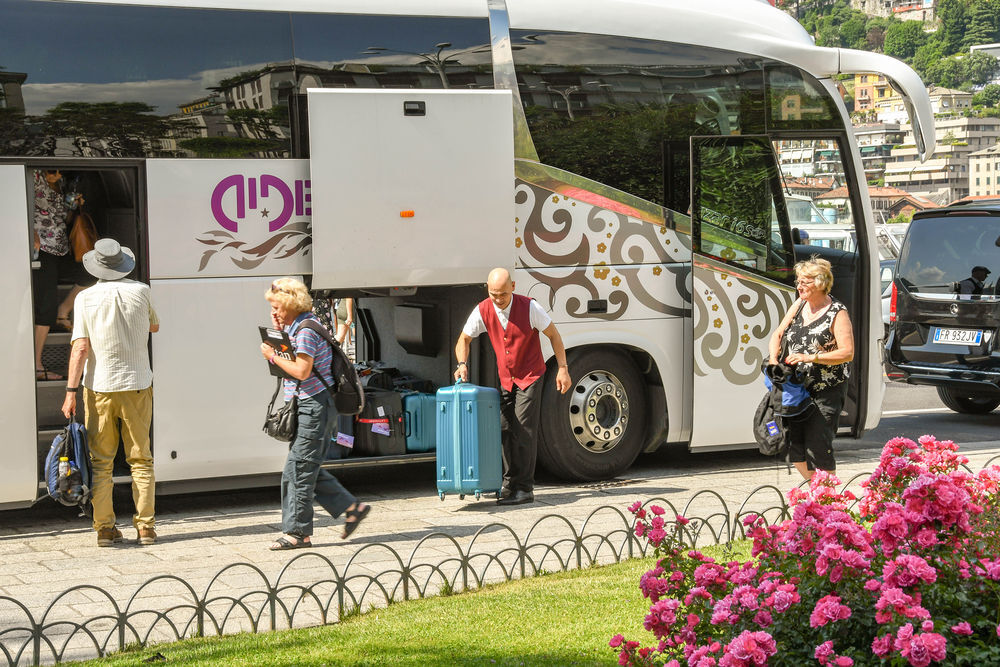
<point x="307" y="341"/>
<point x="115" y="316"/>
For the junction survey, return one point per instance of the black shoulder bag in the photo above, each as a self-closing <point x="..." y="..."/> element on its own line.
<point x="282" y="423"/>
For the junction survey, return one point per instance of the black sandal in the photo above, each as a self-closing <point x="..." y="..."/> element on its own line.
<point x="352" y="518"/>
<point x="283" y="544"/>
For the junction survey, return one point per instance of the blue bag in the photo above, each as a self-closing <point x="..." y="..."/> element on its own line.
<point x="73" y="487"/>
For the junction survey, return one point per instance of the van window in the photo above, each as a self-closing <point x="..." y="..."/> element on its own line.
<point x="940" y="253"/>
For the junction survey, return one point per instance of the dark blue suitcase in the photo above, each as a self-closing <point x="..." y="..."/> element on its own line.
<point x="420" y="422"/>
<point x="468" y="440"/>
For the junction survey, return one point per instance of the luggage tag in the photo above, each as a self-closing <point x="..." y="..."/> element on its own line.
<point x="772" y="428"/>
<point x="345" y="440"/>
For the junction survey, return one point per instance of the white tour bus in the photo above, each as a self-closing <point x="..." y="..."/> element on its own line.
<point x="618" y="154"/>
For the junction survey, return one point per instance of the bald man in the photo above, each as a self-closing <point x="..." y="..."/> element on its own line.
<point x="512" y="322"/>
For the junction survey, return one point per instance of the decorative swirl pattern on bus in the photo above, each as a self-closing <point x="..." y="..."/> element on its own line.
<point x="584" y="251"/>
<point x="733" y="320"/>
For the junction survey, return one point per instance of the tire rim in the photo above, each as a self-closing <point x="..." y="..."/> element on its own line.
<point x="599" y="411"/>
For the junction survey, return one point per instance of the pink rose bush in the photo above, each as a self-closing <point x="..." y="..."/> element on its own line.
<point x="909" y="574"/>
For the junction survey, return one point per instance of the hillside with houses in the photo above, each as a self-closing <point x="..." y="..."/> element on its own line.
<point x="953" y="45"/>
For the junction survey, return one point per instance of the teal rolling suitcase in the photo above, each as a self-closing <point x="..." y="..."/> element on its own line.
<point x="468" y="441"/>
<point x="420" y="421"/>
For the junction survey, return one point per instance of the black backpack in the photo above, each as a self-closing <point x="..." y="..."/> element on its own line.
<point x="348" y="394"/>
<point x="769" y="426"/>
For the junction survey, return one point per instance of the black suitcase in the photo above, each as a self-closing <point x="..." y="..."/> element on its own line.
<point x="379" y="429"/>
<point x="373" y="375"/>
<point x="406" y="383"/>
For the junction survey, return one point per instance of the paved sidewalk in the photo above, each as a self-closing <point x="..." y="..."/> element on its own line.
<point x="41" y="559"/>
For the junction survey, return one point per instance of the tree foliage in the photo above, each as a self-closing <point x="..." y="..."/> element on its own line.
<point x="989" y="96"/>
<point x="903" y="38"/>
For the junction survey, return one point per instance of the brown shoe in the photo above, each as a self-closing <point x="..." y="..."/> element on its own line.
<point x="147" y="536"/>
<point x="108" y="536"/>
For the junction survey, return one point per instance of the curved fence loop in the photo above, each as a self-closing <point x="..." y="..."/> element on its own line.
<point x="310" y="589"/>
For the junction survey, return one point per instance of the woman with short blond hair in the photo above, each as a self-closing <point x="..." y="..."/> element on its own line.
<point x="303" y="478"/>
<point x="817" y="332"/>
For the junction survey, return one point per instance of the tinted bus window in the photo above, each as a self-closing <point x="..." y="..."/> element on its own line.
<point x="349" y="51"/>
<point x="355" y="51"/>
<point x="116" y="81"/>
<point x="620" y="111"/>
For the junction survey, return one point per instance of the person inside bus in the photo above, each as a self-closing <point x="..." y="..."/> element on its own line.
<point x="303" y="478"/>
<point x="55" y="261"/>
<point x="512" y="322"/>
<point x="345" y="318"/>
<point x="816" y="331"/>
<point x="972" y="287"/>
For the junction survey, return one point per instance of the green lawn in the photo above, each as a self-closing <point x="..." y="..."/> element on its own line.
<point x="557" y="619"/>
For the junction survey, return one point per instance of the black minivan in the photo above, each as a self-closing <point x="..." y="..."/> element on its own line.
<point x="945" y="309"/>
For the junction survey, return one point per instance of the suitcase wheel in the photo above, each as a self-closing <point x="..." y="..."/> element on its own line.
<point x="461" y="496"/>
<point x="498" y="495"/>
<point x="441" y="495"/>
<point x="478" y="495"/>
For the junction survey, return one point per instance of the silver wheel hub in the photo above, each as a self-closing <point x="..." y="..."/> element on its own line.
<point x="598" y="411"/>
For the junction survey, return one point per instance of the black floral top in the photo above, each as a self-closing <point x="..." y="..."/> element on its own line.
<point x="50" y="217"/>
<point x="817" y="336"/>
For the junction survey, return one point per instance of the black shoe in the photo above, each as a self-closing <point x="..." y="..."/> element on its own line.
<point x="505" y="494"/>
<point x="517" y="498"/>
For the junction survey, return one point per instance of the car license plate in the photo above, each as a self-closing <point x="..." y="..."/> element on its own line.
<point x="958" y="336"/>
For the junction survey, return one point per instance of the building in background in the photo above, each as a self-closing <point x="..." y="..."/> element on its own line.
<point x="945" y="176"/>
<point x="946" y="100"/>
<point x="984" y="172"/>
<point x="876" y="141"/>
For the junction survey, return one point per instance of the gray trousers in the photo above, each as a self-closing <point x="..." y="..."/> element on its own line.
<point x="519" y="413"/>
<point x="303" y="480"/>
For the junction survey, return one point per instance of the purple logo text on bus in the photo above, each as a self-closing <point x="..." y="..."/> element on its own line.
<point x="295" y="199"/>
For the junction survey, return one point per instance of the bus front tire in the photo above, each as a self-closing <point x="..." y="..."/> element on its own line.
<point x="595" y="430"/>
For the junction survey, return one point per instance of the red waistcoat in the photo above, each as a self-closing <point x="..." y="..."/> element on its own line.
<point x="518" y="350"/>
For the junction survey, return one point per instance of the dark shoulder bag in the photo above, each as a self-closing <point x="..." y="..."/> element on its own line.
<point x="282" y="423"/>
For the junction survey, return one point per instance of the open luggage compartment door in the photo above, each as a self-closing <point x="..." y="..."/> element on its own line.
<point x="410" y="187"/>
<point x="19" y="475"/>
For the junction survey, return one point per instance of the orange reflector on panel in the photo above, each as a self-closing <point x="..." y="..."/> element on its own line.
<point x="406" y="214"/>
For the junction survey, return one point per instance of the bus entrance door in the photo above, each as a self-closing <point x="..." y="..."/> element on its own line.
<point x="19" y="473"/>
<point x="741" y="281"/>
<point x="410" y="187"/>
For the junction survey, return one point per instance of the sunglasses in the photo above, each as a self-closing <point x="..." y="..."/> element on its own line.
<point x="275" y="288"/>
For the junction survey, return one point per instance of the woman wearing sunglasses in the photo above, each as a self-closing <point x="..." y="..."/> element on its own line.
<point x="818" y="333"/>
<point x="303" y="478"/>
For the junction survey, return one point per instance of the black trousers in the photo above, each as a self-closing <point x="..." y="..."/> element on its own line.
<point x="810" y="438"/>
<point x="519" y="414"/>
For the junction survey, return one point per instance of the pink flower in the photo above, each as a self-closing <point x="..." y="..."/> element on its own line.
<point x="616" y="641"/>
<point x="749" y="649"/>
<point x="882" y="645"/>
<point x="828" y="609"/>
<point x="657" y="510"/>
<point x="824" y="652"/>
<point x="683" y="521"/>
<point x="962" y="628"/>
